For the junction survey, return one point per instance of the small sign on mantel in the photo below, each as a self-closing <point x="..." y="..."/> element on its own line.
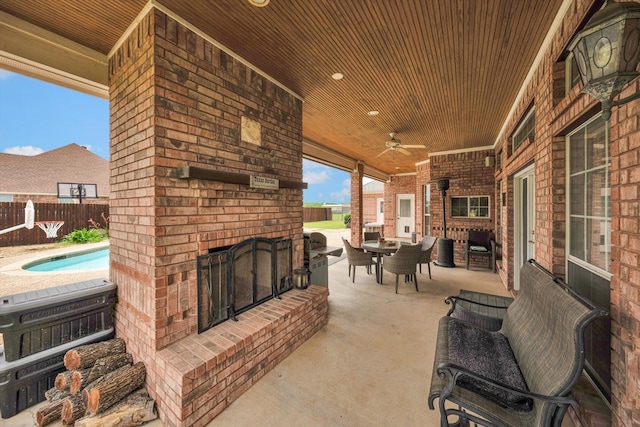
<point x="264" y="183"/>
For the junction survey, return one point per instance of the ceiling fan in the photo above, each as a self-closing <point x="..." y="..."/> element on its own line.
<point x="396" y="145"/>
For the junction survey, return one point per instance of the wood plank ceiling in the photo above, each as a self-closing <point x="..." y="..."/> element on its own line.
<point x="442" y="73"/>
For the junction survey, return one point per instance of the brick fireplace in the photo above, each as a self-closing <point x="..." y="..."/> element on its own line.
<point x="205" y="153"/>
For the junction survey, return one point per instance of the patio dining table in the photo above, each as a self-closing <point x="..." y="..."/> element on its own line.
<point x="380" y="249"/>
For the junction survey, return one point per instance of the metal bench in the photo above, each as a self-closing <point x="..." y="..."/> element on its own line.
<point x="485" y="310"/>
<point x="522" y="374"/>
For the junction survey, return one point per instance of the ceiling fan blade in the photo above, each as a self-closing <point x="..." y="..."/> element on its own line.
<point x="403" y="151"/>
<point x="412" y="146"/>
<point x="388" y="149"/>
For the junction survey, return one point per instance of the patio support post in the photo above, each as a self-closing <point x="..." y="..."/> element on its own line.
<point x="356" y="205"/>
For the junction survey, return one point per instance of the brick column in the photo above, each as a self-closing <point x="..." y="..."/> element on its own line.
<point x="177" y="100"/>
<point x="625" y="262"/>
<point x="356" y="205"/>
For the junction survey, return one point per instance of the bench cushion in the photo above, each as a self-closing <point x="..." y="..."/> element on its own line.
<point x="488" y="354"/>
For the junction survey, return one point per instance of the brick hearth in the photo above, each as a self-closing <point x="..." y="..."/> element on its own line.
<point x="204" y="373"/>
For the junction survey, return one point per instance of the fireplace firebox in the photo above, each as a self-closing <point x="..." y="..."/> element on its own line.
<point x="233" y="279"/>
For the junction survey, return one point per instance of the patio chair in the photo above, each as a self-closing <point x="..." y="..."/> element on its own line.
<point x="357" y="257"/>
<point x="481" y="243"/>
<point x="428" y="242"/>
<point x="404" y="261"/>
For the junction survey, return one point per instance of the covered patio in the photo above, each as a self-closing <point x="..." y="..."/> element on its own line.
<point x="214" y="105"/>
<point x="370" y="365"/>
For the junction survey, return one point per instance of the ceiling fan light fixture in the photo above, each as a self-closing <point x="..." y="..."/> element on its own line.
<point x="259" y="3"/>
<point x="373" y="112"/>
<point x="337" y="76"/>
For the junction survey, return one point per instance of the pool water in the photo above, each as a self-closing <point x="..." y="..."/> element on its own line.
<point x="78" y="261"/>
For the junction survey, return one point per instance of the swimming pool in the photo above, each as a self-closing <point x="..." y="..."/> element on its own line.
<point x="87" y="260"/>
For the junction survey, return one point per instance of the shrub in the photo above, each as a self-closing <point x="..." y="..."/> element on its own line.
<point x="91" y="235"/>
<point x="347" y="219"/>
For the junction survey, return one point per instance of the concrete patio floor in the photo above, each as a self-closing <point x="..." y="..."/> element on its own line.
<point x="371" y="364"/>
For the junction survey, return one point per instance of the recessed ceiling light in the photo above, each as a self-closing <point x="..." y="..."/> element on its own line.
<point x="337" y="76"/>
<point x="373" y="112"/>
<point x="259" y="3"/>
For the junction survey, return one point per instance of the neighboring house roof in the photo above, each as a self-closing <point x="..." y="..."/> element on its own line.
<point x="40" y="174"/>
<point x="373" y="187"/>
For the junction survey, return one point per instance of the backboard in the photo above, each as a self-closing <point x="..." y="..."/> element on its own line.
<point x="70" y="190"/>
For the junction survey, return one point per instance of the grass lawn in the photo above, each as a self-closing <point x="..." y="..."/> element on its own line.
<point x="326" y="225"/>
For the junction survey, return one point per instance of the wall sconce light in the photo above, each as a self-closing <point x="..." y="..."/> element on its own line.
<point x="607" y="51"/>
<point x="489" y="161"/>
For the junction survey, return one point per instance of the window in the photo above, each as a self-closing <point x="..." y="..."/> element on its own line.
<point x="470" y="207"/>
<point x="525" y="130"/>
<point x="589" y="238"/>
<point x="589" y="195"/>
<point x="6" y="197"/>
<point x="571" y="73"/>
<point x="427" y="211"/>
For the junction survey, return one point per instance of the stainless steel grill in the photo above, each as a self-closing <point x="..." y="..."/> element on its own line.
<point x="315" y="257"/>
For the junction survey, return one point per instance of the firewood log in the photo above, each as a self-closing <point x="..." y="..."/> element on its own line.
<point x="85" y="356"/>
<point x="54" y="394"/>
<point x="134" y="410"/>
<point x="79" y="380"/>
<point x="72" y="409"/>
<point x="110" y="391"/>
<point x="63" y="380"/>
<point x="49" y="413"/>
<point x="108" y="364"/>
<point x="90" y="386"/>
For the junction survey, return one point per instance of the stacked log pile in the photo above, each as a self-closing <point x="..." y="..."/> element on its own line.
<point x="102" y="386"/>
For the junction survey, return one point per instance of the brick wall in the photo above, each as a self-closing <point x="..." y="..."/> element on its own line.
<point x="468" y="177"/>
<point x="625" y="265"/>
<point x="370" y="206"/>
<point x="558" y="114"/>
<point x="176" y="100"/>
<point x="397" y="184"/>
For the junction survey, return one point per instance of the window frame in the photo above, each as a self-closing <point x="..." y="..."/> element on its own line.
<point x="584" y="263"/>
<point x="469" y="206"/>
<point x="529" y="119"/>
<point x="426" y="224"/>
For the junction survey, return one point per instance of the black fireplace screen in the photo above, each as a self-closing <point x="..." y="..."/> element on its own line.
<point x="236" y="278"/>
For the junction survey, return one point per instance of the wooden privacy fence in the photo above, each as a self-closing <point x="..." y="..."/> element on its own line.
<point x="75" y="217"/>
<point x="316" y="214"/>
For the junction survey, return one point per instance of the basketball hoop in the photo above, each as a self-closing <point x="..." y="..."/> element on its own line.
<point x="50" y="227"/>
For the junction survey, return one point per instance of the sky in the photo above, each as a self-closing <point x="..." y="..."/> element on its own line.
<point x="36" y="116"/>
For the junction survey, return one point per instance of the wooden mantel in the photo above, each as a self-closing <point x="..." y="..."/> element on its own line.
<point x="194" y="172"/>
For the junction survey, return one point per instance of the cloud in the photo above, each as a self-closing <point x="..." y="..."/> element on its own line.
<point x="24" y="150"/>
<point x="344" y="194"/>
<point x="321" y="177"/>
<point x="341" y="196"/>
<point x="5" y="74"/>
<point x="315" y="173"/>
